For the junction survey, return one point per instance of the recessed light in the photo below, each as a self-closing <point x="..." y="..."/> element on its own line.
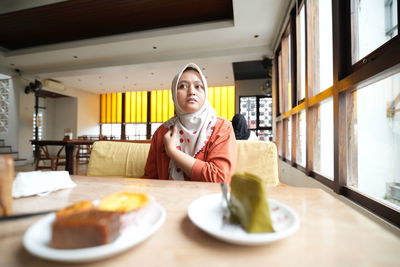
<point x="75" y="56"/>
<point x="154" y="47"/>
<point x="152" y="73"/>
<point x="256" y="36"/>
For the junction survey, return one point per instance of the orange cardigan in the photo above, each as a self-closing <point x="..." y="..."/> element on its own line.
<point x="214" y="163"/>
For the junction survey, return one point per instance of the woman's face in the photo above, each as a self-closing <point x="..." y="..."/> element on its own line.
<point x="190" y="92"/>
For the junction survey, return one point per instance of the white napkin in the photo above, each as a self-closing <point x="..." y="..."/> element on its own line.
<point x="40" y="183"/>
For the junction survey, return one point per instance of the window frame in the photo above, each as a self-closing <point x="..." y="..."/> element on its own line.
<point x="382" y="62"/>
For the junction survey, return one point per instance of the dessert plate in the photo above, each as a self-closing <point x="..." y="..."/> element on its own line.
<point x="37" y="239"/>
<point x="207" y="212"/>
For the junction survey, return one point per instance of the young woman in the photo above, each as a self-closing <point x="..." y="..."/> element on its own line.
<point x="195" y="144"/>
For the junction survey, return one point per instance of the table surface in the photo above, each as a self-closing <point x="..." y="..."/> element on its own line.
<point x="331" y="233"/>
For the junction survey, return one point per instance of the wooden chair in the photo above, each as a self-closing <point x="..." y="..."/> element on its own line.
<point x="45" y="157"/>
<point x="82" y="154"/>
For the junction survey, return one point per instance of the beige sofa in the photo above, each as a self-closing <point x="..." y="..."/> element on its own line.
<point x="126" y="159"/>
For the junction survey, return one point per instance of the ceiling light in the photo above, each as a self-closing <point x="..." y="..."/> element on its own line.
<point x="154" y="47"/>
<point x="75" y="56"/>
<point x="256" y="36"/>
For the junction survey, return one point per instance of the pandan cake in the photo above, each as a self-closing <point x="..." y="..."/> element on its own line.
<point x="249" y="204"/>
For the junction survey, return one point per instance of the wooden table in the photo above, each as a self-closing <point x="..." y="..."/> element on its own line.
<point x="69" y="149"/>
<point x="331" y="233"/>
<point x="70" y="146"/>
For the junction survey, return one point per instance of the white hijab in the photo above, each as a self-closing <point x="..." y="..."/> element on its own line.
<point x="194" y="129"/>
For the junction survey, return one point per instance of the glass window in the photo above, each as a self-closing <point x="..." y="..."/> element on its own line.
<point x="289" y="139"/>
<point x="111" y="131"/>
<point x="248" y="108"/>
<point x="154" y="127"/>
<point x="301" y="54"/>
<point x="286" y="73"/>
<point x="301" y="139"/>
<point x="374" y="22"/>
<point x="319" y="26"/>
<point x="323" y="143"/>
<point x="135" y="131"/>
<point x="265" y="112"/>
<point x="374" y="149"/>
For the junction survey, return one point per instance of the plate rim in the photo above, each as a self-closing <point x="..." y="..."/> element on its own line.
<point x="85" y="254"/>
<point x="254" y="239"/>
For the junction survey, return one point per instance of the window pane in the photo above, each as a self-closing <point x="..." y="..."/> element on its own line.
<point x="265" y="112"/>
<point x="286" y="75"/>
<point x="135" y="131"/>
<point x="319" y="25"/>
<point x="289" y="139"/>
<point x="301" y="53"/>
<point x="301" y="139"/>
<point x="323" y="144"/>
<point x="154" y="127"/>
<point x="248" y="108"/>
<point x="375" y="129"/>
<point x="374" y="22"/>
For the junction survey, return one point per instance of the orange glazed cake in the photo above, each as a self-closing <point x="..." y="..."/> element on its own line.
<point x="131" y="206"/>
<point x="75" y="208"/>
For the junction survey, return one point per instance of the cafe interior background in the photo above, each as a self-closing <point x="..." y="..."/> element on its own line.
<point x="331" y="86"/>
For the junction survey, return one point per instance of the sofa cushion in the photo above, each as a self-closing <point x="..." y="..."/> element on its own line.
<point x="119" y="159"/>
<point x="259" y="158"/>
<point x="127" y="159"/>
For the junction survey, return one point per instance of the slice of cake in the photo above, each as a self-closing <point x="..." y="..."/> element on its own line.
<point x="248" y="203"/>
<point x="131" y="206"/>
<point x="80" y="206"/>
<point x="85" y="229"/>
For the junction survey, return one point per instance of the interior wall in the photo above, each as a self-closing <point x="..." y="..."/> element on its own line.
<point x="247" y="88"/>
<point x="10" y="136"/>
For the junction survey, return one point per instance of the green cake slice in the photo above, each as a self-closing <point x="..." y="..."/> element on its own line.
<point x="248" y="203"/>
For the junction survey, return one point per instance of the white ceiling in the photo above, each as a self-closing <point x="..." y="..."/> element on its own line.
<point x="129" y="62"/>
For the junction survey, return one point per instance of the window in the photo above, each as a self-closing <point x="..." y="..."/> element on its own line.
<point x="258" y="112"/>
<point x="374" y="143"/>
<point x="301" y="54"/>
<point x="131" y="108"/>
<point x="323" y="143"/>
<point x="320" y="58"/>
<point x="301" y="139"/>
<point x="373" y="24"/>
<point x="289" y="139"/>
<point x="135" y="131"/>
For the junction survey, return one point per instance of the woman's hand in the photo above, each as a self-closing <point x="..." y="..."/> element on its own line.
<point x="169" y="139"/>
<point x="180" y="158"/>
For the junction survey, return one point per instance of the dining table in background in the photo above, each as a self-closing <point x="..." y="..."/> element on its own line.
<point x="69" y="149"/>
<point x="331" y="232"/>
<point x="70" y="146"/>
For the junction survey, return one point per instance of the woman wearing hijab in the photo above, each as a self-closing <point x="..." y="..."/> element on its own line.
<point x="242" y="132"/>
<point x="195" y="144"/>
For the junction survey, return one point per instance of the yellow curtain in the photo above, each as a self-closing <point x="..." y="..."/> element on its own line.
<point x="162" y="106"/>
<point x="222" y="99"/>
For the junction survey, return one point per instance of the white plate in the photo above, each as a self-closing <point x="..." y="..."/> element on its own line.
<point x="206" y="213"/>
<point x="37" y="239"/>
